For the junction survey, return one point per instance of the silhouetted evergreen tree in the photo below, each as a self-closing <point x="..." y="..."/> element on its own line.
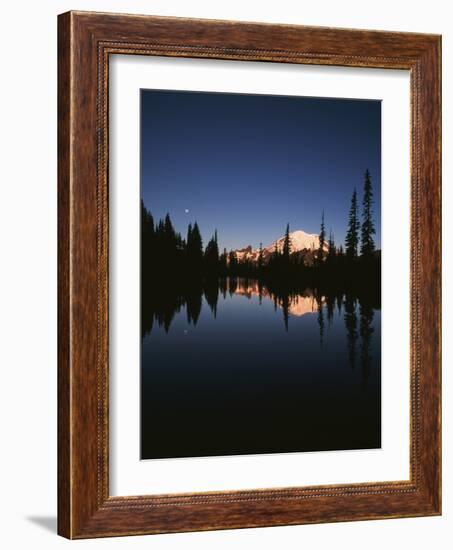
<point x="260" y="258"/>
<point x="232" y="262"/>
<point x="286" y="251"/>
<point x="276" y="255"/>
<point x="322" y="239"/>
<point x="147" y="227"/>
<point x="331" y="253"/>
<point x="169" y="232"/>
<point x="368" y="230"/>
<point x="168" y="249"/>
<point x="223" y="262"/>
<point x="189" y="235"/>
<point x="352" y="235"/>
<point x="211" y="255"/>
<point x="147" y="241"/>
<point x="194" y="249"/>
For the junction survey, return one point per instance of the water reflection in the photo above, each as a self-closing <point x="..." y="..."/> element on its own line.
<point x="350" y="320"/>
<point x="160" y="308"/>
<point x="366" y="333"/>
<point x="236" y="367"/>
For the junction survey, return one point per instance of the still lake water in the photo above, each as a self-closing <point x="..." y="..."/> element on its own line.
<point x="255" y="375"/>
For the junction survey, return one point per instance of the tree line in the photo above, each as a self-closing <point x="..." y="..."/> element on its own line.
<point x="166" y="254"/>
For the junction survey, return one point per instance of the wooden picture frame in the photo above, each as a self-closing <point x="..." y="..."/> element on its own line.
<point x="85" y="42"/>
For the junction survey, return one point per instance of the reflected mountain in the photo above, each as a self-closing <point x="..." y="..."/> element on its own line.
<point x="294" y="304"/>
<point x="252" y="355"/>
<point x="160" y="308"/>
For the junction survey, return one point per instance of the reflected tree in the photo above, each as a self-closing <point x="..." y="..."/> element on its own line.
<point x="223" y="285"/>
<point x="366" y="333"/>
<point x="177" y="272"/>
<point x="339" y="302"/>
<point x="330" y="303"/>
<point x="211" y="293"/>
<point x="350" y="320"/>
<point x="260" y="291"/>
<point x="193" y="305"/>
<point x="284" y="304"/>
<point x="320" y="318"/>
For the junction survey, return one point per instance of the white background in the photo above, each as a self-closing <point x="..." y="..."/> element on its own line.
<point x="129" y="475"/>
<point x="28" y="272"/>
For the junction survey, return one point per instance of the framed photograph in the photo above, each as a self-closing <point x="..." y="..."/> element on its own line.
<point x="249" y="275"/>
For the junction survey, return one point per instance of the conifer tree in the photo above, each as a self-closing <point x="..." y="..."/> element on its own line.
<point x="286" y="251"/>
<point x="368" y="230"/>
<point x="147" y="229"/>
<point x="197" y="240"/>
<point x="223" y="261"/>
<point x="166" y="247"/>
<point x="260" y="257"/>
<point x="168" y="229"/>
<point x="189" y="234"/>
<point x="147" y="242"/>
<point x="331" y="253"/>
<point x="276" y="255"/>
<point x="216" y="245"/>
<point x="322" y="238"/>
<point x="194" y="248"/>
<point x="232" y="262"/>
<point x="352" y="235"/>
<point x="211" y="254"/>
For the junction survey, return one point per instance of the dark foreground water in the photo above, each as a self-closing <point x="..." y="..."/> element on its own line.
<point x="237" y="371"/>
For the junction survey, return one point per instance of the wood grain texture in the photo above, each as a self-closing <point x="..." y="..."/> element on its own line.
<point x="86" y="40"/>
<point x="64" y="390"/>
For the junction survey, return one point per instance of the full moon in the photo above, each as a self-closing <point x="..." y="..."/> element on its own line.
<point x="186" y="210"/>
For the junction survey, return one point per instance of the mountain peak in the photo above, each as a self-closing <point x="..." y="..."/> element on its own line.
<point x="300" y="241"/>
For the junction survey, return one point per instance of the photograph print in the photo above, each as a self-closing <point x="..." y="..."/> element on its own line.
<point x="260" y="274"/>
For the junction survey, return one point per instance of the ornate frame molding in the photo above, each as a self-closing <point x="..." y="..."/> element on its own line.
<point x="86" y="40"/>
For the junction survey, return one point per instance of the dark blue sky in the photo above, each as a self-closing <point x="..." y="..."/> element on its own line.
<point x="249" y="164"/>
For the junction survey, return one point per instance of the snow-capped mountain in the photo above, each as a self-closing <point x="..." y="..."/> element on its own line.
<point x="301" y="242"/>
